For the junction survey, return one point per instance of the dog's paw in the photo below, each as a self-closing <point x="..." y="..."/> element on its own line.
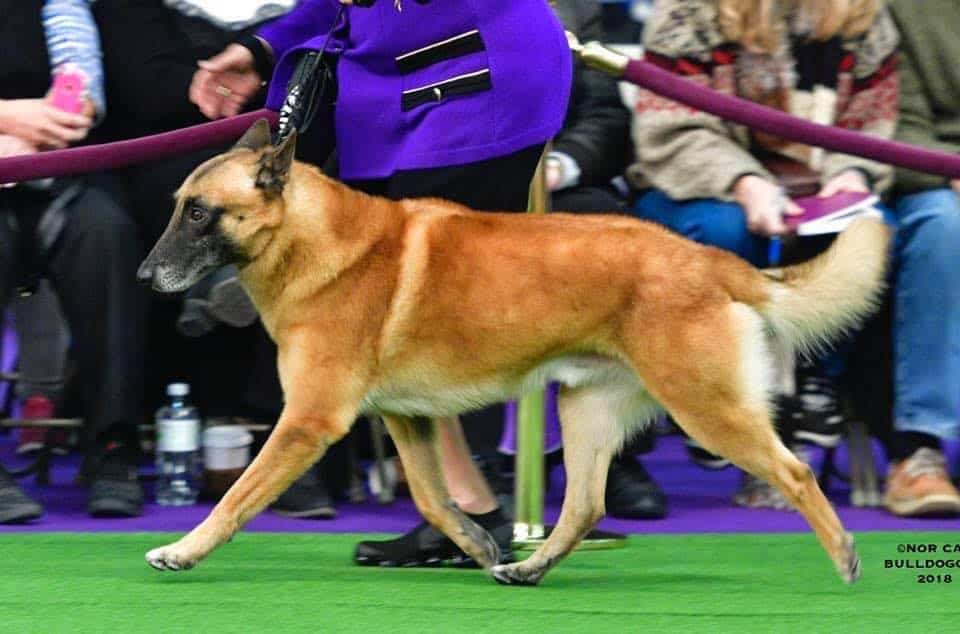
<point x="516" y="575"/>
<point x="849" y="564"/>
<point x="170" y="557"/>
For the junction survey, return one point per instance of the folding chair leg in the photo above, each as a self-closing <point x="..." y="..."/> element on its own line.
<point x="377" y="431"/>
<point x="864" y="485"/>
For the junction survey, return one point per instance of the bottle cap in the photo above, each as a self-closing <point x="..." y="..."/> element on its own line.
<point x="178" y="389"/>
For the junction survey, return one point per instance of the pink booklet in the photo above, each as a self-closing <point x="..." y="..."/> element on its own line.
<point x="831" y="215"/>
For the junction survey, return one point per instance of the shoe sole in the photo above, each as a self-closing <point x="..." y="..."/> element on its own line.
<point x="20" y="514"/>
<point x="821" y="440"/>
<point x="325" y="513"/>
<point x="457" y="561"/>
<point x="113" y="508"/>
<point x="941" y="504"/>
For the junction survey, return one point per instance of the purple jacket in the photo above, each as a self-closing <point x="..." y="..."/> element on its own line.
<point x="442" y="82"/>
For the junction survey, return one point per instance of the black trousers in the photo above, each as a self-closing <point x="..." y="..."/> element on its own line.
<point x="500" y="184"/>
<point x="92" y="269"/>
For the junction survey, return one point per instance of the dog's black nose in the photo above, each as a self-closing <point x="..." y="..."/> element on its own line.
<point x="145" y="273"/>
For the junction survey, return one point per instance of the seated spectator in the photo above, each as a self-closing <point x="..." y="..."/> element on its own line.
<point x="151" y="49"/>
<point x="926" y="289"/>
<point x="712" y="181"/>
<point x="73" y="232"/>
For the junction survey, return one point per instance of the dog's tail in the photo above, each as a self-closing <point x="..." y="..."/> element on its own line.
<point x="810" y="305"/>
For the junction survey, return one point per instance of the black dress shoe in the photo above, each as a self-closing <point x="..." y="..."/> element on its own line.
<point x="115" y="490"/>
<point x="15" y="505"/>
<point x="632" y="493"/>
<point x="307" y="498"/>
<point x="425" y="546"/>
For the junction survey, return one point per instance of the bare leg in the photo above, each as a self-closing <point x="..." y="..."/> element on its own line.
<point x="416" y="441"/>
<point x="467" y="486"/>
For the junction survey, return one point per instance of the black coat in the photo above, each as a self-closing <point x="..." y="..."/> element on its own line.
<point x="596" y="132"/>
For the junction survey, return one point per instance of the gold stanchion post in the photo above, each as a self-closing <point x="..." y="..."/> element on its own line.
<point x="529" y="530"/>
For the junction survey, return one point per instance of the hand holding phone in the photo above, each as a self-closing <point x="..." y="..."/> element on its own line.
<point x="69" y="90"/>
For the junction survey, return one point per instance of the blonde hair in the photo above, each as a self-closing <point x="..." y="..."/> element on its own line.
<point x="757" y="24"/>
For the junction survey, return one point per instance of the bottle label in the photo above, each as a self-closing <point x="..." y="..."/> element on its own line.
<point x="178" y="435"/>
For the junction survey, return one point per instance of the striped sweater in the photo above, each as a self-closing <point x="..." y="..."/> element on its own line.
<point x="689" y="154"/>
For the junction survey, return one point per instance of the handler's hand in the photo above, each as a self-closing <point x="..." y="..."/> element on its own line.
<point x="225" y="82"/>
<point x="764" y="205"/>
<point x="846" y="181"/>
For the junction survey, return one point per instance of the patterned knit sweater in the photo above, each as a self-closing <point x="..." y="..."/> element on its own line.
<point x="690" y="154"/>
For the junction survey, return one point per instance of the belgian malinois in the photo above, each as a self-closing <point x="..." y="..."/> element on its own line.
<point x="422" y="309"/>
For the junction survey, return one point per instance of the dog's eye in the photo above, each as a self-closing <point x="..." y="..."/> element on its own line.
<point x="196" y="213"/>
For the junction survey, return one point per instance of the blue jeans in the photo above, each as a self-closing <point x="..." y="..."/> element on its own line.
<point x="927" y="314"/>
<point x="707" y="221"/>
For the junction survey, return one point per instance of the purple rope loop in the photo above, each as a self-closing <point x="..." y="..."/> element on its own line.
<point x="94" y="158"/>
<point x="772" y="121"/>
<point x="644" y="74"/>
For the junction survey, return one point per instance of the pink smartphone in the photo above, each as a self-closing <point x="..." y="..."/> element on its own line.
<point x="69" y="89"/>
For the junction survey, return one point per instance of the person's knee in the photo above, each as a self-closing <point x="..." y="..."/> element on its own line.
<point x="930" y="221"/>
<point x="725" y="226"/>
<point x="96" y="217"/>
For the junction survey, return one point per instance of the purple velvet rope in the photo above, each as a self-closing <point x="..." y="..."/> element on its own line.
<point x="93" y="158"/>
<point x="779" y="123"/>
<point x="122" y="153"/>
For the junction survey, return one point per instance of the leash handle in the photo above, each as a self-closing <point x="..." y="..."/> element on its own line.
<point x="307" y="84"/>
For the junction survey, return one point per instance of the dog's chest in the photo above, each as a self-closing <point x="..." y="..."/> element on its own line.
<point x="429" y="394"/>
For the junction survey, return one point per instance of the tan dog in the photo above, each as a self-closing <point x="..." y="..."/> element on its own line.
<point x="421" y="309"/>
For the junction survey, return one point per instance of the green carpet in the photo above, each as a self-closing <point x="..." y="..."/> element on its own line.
<point x="281" y="582"/>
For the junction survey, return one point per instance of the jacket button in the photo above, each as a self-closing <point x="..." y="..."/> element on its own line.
<point x="437" y="94"/>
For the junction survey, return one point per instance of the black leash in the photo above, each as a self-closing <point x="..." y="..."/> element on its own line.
<point x="311" y="80"/>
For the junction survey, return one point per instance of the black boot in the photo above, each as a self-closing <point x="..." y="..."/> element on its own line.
<point x="308" y="497"/>
<point x="425" y="546"/>
<point x="632" y="493"/>
<point x="115" y="490"/>
<point x="15" y="505"/>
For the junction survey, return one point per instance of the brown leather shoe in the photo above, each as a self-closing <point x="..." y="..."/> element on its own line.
<point x="920" y="485"/>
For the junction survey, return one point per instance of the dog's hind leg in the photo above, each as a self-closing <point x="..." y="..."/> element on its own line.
<point x="725" y="407"/>
<point x="416" y="441"/>
<point x="595" y="420"/>
<point x="315" y="416"/>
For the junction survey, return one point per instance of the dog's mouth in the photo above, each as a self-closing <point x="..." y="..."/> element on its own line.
<point x="166" y="279"/>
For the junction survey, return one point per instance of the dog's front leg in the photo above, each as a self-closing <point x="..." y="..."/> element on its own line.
<point x="416" y="441"/>
<point x="313" y="418"/>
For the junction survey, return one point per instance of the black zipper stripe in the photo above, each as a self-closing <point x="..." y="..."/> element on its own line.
<point x="441" y="91"/>
<point x="448" y="49"/>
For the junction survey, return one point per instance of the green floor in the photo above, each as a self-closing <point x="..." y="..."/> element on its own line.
<point x="280" y="583"/>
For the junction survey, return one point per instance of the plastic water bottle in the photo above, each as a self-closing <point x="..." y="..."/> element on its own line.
<point x="178" y="449"/>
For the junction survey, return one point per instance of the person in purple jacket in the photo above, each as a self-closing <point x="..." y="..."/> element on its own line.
<point x="446" y="98"/>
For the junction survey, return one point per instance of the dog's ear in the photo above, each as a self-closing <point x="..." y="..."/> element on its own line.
<point x="275" y="165"/>
<point x="256" y="138"/>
